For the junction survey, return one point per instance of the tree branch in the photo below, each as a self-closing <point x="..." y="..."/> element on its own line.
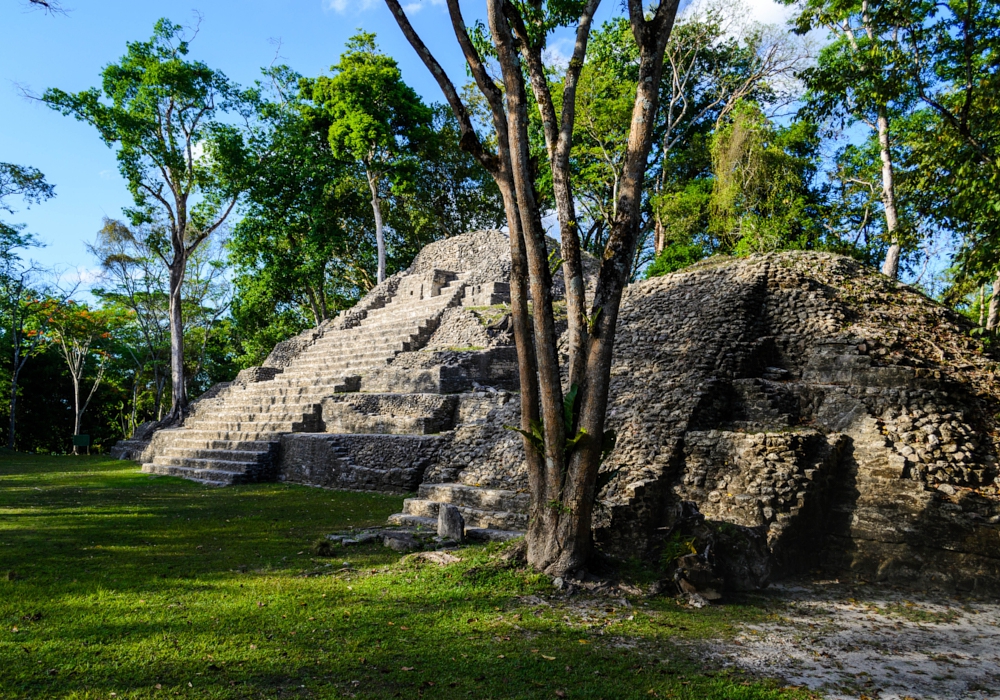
<point x="469" y="139"/>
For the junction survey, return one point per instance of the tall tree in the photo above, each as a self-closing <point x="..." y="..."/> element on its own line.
<point x="18" y="305"/>
<point x="953" y="65"/>
<point x="134" y="281"/>
<point x="184" y="163"/>
<point x="860" y="77"/>
<point x="716" y="57"/>
<point x="79" y="331"/>
<point x="374" y="118"/>
<point x="563" y="431"/>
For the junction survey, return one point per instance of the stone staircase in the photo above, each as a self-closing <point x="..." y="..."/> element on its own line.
<point x="490" y="514"/>
<point x="234" y="437"/>
<point x="338" y="407"/>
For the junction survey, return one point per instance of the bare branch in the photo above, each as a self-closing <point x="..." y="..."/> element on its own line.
<point x="51" y="7"/>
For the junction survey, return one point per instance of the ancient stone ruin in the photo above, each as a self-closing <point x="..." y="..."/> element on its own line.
<point x="847" y="417"/>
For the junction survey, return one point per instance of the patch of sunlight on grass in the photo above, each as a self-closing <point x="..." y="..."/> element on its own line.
<point x="113" y="582"/>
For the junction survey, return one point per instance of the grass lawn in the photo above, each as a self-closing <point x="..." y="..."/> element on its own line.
<point x="115" y="584"/>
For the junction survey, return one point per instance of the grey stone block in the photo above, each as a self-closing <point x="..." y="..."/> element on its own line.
<point x="451" y="524"/>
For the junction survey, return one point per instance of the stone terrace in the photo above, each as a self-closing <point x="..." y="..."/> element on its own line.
<point x="848" y="417"/>
<point x="333" y="408"/>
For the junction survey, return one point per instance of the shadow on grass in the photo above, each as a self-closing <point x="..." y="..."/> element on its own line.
<point x="157" y="587"/>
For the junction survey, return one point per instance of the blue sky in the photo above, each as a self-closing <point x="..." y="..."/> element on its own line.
<point x="38" y="51"/>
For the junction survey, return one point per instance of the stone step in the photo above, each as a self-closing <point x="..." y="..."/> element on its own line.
<point x="370" y="338"/>
<point x="226" y="465"/>
<point x="240" y="456"/>
<point x="474" y="517"/>
<point x="401" y="310"/>
<point x="391" y="321"/>
<point x="233" y="445"/>
<point x="261" y="403"/>
<point x="303" y="386"/>
<point x="335" y="366"/>
<point x="476" y="497"/>
<point x="233" y="414"/>
<point x="226" y="435"/>
<point x="476" y="534"/>
<point x="210" y="477"/>
<point x="361" y="348"/>
<point x="250" y="428"/>
<point x="405" y="300"/>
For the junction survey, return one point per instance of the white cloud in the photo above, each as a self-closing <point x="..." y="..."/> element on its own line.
<point x="743" y="12"/>
<point x="342" y="6"/>
<point x="417" y="5"/>
<point x="558" y="53"/>
<point x="106" y="174"/>
<point x="769" y="12"/>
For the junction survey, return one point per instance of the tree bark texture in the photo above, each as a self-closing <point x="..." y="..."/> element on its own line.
<point x="379" y="234"/>
<point x="890" y="267"/>
<point x="178" y="388"/>
<point x="993" y="317"/>
<point x="562" y="481"/>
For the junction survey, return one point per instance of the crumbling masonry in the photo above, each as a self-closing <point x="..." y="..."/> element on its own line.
<point x="848" y="416"/>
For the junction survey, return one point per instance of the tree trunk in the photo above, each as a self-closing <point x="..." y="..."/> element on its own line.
<point x="659" y="236"/>
<point x="559" y="526"/>
<point x="13" y="411"/>
<point x="377" y="210"/>
<point x="890" y="267"/>
<point x="313" y="305"/>
<point x="159" y="381"/>
<point x="993" y="318"/>
<point x="982" y="305"/>
<point x="178" y="391"/>
<point x="76" y="409"/>
<point x="546" y="489"/>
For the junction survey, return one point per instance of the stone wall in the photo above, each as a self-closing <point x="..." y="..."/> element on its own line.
<point x="850" y="416"/>
<point x="415" y="414"/>
<point x="393" y="463"/>
<point x="461" y="328"/>
<point x="445" y="372"/>
<point x="483" y="254"/>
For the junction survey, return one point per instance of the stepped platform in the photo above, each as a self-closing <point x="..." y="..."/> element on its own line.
<point x="272" y="402"/>
<point x="365" y="402"/>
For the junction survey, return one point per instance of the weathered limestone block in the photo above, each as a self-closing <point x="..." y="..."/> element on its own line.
<point x="393" y="463"/>
<point x="451" y="524"/>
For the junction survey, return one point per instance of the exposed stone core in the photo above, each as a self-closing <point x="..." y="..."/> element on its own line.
<point x="849" y="418"/>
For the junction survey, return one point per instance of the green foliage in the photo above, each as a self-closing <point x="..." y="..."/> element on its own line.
<point x="536" y="436"/>
<point x="158" y="109"/>
<point x="674" y="258"/>
<point x="373" y="114"/>
<point x="29" y="185"/>
<point x="304" y="248"/>
<point x="676" y="547"/>
<point x="762" y="199"/>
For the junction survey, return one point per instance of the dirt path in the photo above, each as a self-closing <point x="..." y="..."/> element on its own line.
<point x="856" y="642"/>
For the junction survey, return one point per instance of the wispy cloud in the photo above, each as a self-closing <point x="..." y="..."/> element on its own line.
<point x="344" y="6"/>
<point x="418" y="5"/>
<point x="558" y="53"/>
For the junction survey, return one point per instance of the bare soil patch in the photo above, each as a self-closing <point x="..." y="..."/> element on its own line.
<point x="865" y="642"/>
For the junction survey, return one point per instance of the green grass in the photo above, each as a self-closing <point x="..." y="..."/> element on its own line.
<point x="117" y="584"/>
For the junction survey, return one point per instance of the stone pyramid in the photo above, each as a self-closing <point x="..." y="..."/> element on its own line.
<point x="849" y="418"/>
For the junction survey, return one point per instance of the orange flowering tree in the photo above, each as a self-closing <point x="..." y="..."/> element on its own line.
<point x="84" y="337"/>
